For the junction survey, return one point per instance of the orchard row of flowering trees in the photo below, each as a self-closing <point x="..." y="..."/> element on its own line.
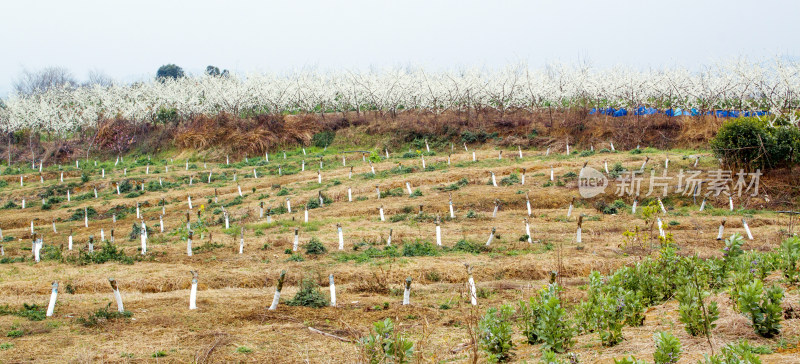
<point x="742" y="85"/>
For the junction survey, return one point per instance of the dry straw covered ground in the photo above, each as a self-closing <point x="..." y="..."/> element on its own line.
<point x="232" y="323"/>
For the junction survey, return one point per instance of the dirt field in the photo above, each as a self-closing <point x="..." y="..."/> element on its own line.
<point x="234" y="290"/>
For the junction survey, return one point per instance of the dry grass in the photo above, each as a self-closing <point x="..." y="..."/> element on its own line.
<point x="234" y="290"/>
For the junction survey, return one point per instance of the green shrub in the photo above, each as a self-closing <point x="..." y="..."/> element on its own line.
<point x="384" y="345"/>
<point x="103" y="315"/>
<point x="107" y="252"/>
<point x="294" y="257"/>
<point x="418" y="248"/>
<point x="668" y="348"/>
<point x="32" y="312"/>
<point x="740" y="352"/>
<point x="494" y="333"/>
<point x="789" y="259"/>
<point x="697" y="316"/>
<point x="125" y="186"/>
<point x="480" y="137"/>
<point x="763" y="306"/>
<point x="315" y="247"/>
<point x="136" y="231"/>
<point x="313" y="202"/>
<point x="453" y="186"/>
<point x="323" y="138"/>
<point x="464" y="245"/>
<point x="10" y="205"/>
<point x="510" y="180"/>
<point x="544" y="320"/>
<point x="309" y="295"/>
<point x="752" y="143"/>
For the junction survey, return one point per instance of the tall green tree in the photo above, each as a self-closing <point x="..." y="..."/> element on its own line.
<point x="169" y="71"/>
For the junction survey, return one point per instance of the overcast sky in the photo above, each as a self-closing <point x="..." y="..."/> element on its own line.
<point x="129" y="40"/>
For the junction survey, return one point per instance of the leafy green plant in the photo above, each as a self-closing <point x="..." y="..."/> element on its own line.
<point x="32" y="312"/>
<point x="789" y="259"/>
<point x="244" y="350"/>
<point x="494" y="331"/>
<point x="543" y="319"/>
<point x="419" y="248"/>
<point x="697" y="316"/>
<point x="467" y="246"/>
<point x="323" y="138"/>
<point x="629" y="360"/>
<point x="384" y="344"/>
<point x="510" y="180"/>
<point x="740" y="352"/>
<point x="309" y="295"/>
<point x="107" y="252"/>
<point x="103" y="315"/>
<point x="315" y="247"/>
<point x="763" y="306"/>
<point x="668" y="348"/>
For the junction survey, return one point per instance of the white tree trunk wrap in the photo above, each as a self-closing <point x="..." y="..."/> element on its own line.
<point x="473" y="295"/>
<point x="277" y="297"/>
<point x="53" y="296"/>
<point x="193" y="292"/>
<point x="747" y="229"/>
<point x="144" y="239"/>
<point x="333" y="291"/>
<point x="491" y="237"/>
<point x="117" y="295"/>
<point x="528" y="231"/>
<point x="407" y="292"/>
<point x="341" y="238"/>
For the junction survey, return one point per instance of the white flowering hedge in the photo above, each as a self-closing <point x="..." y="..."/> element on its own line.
<point x="741" y="85"/>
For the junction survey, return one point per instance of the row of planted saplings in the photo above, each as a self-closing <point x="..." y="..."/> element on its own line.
<point x="37" y="242"/>
<point x="275" y="299"/>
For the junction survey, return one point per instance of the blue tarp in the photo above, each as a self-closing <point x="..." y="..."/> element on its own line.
<point x="642" y="110"/>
